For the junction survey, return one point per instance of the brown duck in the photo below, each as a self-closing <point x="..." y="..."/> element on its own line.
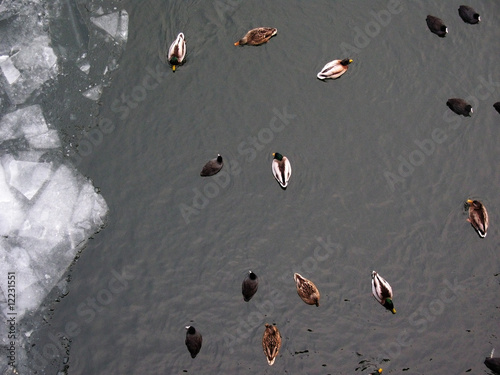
<point x="306" y="290"/>
<point x="478" y="217"/>
<point x="257" y="36"/>
<point x="271" y="343"/>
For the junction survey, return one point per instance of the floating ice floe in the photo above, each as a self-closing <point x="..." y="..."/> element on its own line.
<point x="9" y="70"/>
<point x="115" y="24"/>
<point x="48" y="210"/>
<point x="29" y="68"/>
<point x="93" y="93"/>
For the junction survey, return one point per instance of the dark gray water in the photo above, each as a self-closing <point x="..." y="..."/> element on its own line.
<point x="381" y="169"/>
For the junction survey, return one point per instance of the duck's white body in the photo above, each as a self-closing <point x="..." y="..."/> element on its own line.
<point x="334" y="69"/>
<point x="177" y="51"/>
<point x="282" y="170"/>
<point x="382" y="290"/>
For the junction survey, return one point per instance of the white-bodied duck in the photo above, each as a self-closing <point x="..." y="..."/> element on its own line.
<point x="382" y="292"/>
<point x="334" y="69"/>
<point x="177" y="51"/>
<point x="282" y="169"/>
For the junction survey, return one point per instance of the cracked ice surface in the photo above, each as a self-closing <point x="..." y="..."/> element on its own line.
<point x="115" y="24"/>
<point x="47" y="209"/>
<point x="27" y="60"/>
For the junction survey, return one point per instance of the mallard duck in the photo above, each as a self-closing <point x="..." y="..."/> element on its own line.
<point x="460" y="107"/>
<point x="478" y="217"/>
<point x="497" y="106"/>
<point x="437" y="26"/>
<point x="193" y="341"/>
<point x="306" y="290"/>
<point x="257" y="36"/>
<point x="249" y="286"/>
<point x="468" y="14"/>
<point x="271" y="343"/>
<point x="212" y="166"/>
<point x="177" y="51"/>
<point x="382" y="292"/>
<point x="493" y="363"/>
<point x="334" y="69"/>
<point x="282" y="169"/>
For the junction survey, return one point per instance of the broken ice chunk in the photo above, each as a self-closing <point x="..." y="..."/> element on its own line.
<point x="50" y="215"/>
<point x="49" y="139"/>
<point x="30" y="122"/>
<point x="30" y="155"/>
<point x="28" y="177"/>
<point x="9" y="71"/>
<point x="93" y="93"/>
<point x="29" y="291"/>
<point x="87" y="214"/>
<point x="83" y="64"/>
<point x="115" y="24"/>
<point x="11" y="210"/>
<point x="36" y="64"/>
<point x="38" y="55"/>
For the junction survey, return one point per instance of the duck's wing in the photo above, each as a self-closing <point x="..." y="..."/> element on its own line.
<point x="381" y="289"/>
<point x="479" y="220"/>
<point x="178" y="48"/>
<point x="264" y="33"/>
<point x="278" y="171"/>
<point x="286" y="169"/>
<point x="331" y="68"/>
<point x="271" y="343"/>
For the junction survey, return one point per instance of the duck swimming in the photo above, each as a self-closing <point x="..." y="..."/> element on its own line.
<point x="193" y="341"/>
<point x="382" y="292"/>
<point x="478" y="217"/>
<point x="497" y="106"/>
<point x="257" y="36"/>
<point x="437" y="26"/>
<point x="334" y="69"/>
<point x="468" y="14"/>
<point x="306" y="290"/>
<point x="249" y="286"/>
<point x="282" y="169"/>
<point x="177" y="51"/>
<point x="212" y="166"/>
<point x="493" y="363"/>
<point x="271" y="343"/>
<point x="460" y="107"/>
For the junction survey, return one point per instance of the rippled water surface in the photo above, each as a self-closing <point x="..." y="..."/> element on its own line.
<point x="381" y="170"/>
